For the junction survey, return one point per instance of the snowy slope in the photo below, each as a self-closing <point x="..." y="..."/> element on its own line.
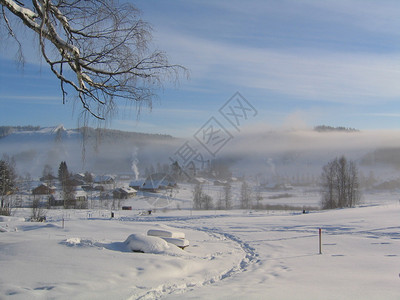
<point x="232" y="255"/>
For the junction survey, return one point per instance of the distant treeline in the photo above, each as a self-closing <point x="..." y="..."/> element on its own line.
<point x="91" y="132"/>
<point x="107" y="134"/>
<point x="324" y="128"/>
<point x="389" y="156"/>
<point x="7" y="130"/>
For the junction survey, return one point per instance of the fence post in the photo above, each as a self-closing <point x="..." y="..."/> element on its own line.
<point x="320" y="241"/>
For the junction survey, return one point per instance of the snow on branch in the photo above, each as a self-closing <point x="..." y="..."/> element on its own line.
<point x="99" y="48"/>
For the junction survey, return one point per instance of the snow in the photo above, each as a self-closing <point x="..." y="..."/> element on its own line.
<point x="182" y="243"/>
<point x="166" y="233"/>
<point x="238" y="254"/>
<point x="146" y="244"/>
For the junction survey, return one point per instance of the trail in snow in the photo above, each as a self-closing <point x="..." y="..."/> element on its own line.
<point x="250" y="258"/>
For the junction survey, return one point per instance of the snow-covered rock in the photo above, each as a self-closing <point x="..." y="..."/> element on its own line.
<point x="181" y="243"/>
<point x="11" y="219"/>
<point x="146" y="244"/>
<point x="166" y="233"/>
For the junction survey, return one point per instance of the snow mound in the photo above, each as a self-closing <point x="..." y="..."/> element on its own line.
<point x="181" y="243"/>
<point x="166" y="233"/>
<point x="78" y="242"/>
<point x="73" y="241"/>
<point x="170" y="236"/>
<point x="146" y="244"/>
<point x="11" y="219"/>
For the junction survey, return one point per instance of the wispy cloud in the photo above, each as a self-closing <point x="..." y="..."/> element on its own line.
<point x="300" y="73"/>
<point x="385" y="115"/>
<point x="48" y="100"/>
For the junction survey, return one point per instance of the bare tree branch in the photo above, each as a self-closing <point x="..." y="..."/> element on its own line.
<point x="99" y="48"/>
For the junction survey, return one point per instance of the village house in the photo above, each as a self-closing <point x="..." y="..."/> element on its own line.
<point x="198" y="180"/>
<point x="137" y="184"/>
<point x="104" y="179"/>
<point x="80" y="199"/>
<point x="44" y="189"/>
<point x="80" y="195"/>
<point x="124" y="193"/>
<point x="158" y="181"/>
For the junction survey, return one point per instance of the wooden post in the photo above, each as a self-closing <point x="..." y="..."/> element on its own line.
<point x="320" y="241"/>
<point x="63" y="222"/>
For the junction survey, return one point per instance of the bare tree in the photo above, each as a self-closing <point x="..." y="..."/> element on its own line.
<point x="7" y="184"/>
<point x="98" y="49"/>
<point x="339" y="182"/>
<point x="197" y="196"/>
<point x="245" y="195"/>
<point x="200" y="199"/>
<point x="207" y="201"/>
<point x="68" y="194"/>
<point x="38" y="212"/>
<point x="328" y="185"/>
<point x="353" y="188"/>
<point x="258" y="197"/>
<point x="227" y="196"/>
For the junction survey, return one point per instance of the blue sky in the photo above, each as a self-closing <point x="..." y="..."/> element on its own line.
<point x="299" y="63"/>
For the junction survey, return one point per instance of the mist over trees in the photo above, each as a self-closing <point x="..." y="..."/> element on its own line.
<point x="7" y="130"/>
<point x="245" y="195"/>
<point x="7" y="184"/>
<point x="325" y="128"/>
<point x="340" y="184"/>
<point x="200" y="199"/>
<point x="227" y="196"/>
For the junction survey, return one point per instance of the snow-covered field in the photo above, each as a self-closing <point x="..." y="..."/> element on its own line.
<point x="234" y="254"/>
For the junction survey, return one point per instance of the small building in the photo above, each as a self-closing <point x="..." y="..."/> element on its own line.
<point x="80" y="195"/>
<point x="76" y="182"/>
<point x="44" y="189"/>
<point x="137" y="184"/>
<point x="220" y="183"/>
<point x="124" y="193"/>
<point x="79" y="176"/>
<point x="80" y="200"/>
<point x="104" y="179"/>
<point x="158" y="181"/>
<point x="48" y="177"/>
<point x="55" y="203"/>
<point x="198" y="180"/>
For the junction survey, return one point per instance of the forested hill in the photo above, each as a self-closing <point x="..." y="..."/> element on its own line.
<point x="7" y="130"/>
<point x="325" y="128"/>
<point x="86" y="131"/>
<point x="96" y="150"/>
<point x="112" y="134"/>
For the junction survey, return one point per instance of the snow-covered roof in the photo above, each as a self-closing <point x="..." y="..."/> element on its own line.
<point x="151" y="185"/>
<point x="44" y="184"/>
<point x="128" y="190"/>
<point x="200" y="180"/>
<point x="103" y="178"/>
<point x="138" y="182"/>
<point x="80" y="193"/>
<point x="158" y="180"/>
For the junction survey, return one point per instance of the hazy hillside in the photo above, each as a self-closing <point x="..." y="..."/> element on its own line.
<point x="102" y="151"/>
<point x="270" y="155"/>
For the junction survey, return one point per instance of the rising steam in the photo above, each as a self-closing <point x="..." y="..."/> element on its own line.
<point x="135" y="162"/>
